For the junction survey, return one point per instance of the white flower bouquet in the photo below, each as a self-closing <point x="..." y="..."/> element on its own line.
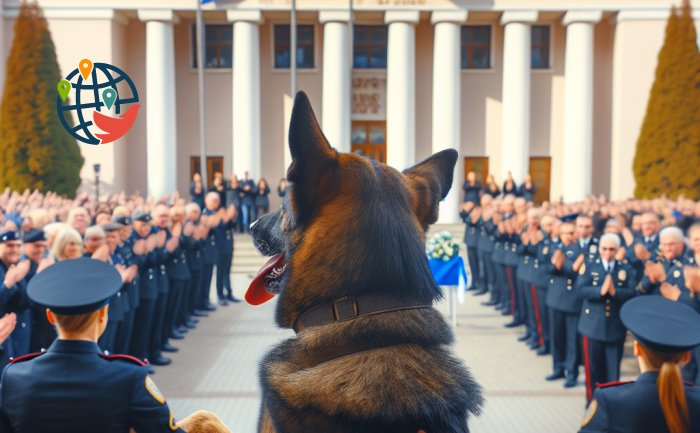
<point x="442" y="247"/>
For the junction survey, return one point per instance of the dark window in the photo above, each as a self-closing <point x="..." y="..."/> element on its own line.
<point x="540" y="47"/>
<point x="476" y="47"/>
<point x="369" y="47"/>
<point x="305" y="46"/>
<point x="218" y="45"/>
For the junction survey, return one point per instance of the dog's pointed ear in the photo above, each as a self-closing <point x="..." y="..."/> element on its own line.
<point x="429" y="182"/>
<point x="309" y="148"/>
<point x="314" y="161"/>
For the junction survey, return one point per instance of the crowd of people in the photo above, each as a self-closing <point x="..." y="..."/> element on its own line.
<point x="250" y="199"/>
<point x="563" y="271"/>
<point x="165" y="251"/>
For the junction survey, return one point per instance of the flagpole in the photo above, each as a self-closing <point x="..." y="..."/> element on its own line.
<point x="200" y="84"/>
<point x="351" y="49"/>
<point x="293" y="51"/>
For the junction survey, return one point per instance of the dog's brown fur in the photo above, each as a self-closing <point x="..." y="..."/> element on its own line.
<point x="352" y="227"/>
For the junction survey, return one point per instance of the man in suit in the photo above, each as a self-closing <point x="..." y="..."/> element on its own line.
<point x="604" y="285"/>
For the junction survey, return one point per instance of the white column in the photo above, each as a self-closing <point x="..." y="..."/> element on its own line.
<point x="161" y="140"/>
<point x="336" y="102"/>
<point x="401" y="88"/>
<point x="578" y="104"/>
<point x="515" y="145"/>
<point x="447" y="101"/>
<point x="246" y="91"/>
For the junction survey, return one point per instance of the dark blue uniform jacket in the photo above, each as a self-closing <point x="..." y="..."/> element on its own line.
<point x="634" y="407"/>
<point x="73" y="388"/>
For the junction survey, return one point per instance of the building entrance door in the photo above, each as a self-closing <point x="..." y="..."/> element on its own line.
<point x="479" y="165"/>
<point x="369" y="137"/>
<point x="214" y="164"/>
<point x="540" y="170"/>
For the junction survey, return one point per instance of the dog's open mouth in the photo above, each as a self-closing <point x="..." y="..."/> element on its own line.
<point x="266" y="283"/>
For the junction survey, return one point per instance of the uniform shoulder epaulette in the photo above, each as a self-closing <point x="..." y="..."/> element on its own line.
<point x="611" y="384"/>
<point x="123" y="357"/>
<point x="25" y="357"/>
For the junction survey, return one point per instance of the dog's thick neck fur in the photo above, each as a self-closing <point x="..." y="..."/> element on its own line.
<point x="413" y="383"/>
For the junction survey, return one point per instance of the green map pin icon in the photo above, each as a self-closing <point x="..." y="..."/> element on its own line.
<point x="64" y="89"/>
<point x="109" y="95"/>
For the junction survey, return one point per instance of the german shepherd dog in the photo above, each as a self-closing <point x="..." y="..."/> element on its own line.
<point x="371" y="354"/>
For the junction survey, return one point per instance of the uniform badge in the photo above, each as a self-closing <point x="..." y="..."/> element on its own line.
<point x="154" y="391"/>
<point x="582" y="271"/>
<point x="545" y="250"/>
<point x="622" y="275"/>
<point x="676" y="274"/>
<point x="594" y="249"/>
<point x="590" y="412"/>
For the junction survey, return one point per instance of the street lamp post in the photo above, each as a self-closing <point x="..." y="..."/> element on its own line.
<point x="96" y="167"/>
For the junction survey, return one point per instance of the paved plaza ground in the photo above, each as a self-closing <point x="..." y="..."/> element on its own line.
<point x="217" y="369"/>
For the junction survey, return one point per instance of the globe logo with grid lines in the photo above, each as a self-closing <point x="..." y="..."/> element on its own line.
<point x="102" y="98"/>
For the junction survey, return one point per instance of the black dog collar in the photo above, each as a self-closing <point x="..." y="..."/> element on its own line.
<point x="352" y="307"/>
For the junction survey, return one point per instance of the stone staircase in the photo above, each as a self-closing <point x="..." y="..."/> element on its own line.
<point x="247" y="260"/>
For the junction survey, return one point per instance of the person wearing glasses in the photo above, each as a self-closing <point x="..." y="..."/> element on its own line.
<point x="604" y="284"/>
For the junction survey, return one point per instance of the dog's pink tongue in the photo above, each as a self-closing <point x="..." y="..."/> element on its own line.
<point x="257" y="294"/>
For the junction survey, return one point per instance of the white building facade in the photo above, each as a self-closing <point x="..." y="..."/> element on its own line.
<point x="551" y="88"/>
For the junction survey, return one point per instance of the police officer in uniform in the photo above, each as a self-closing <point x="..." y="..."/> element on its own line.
<point x="658" y="401"/>
<point x="666" y="276"/>
<point x="470" y="213"/>
<point x="74" y="387"/>
<point x="148" y="285"/>
<point x="604" y="285"/>
<point x="13" y="294"/>
<point x="564" y="309"/>
<point x="487" y="232"/>
<point x="34" y="246"/>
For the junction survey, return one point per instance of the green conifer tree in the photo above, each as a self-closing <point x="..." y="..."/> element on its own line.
<point x="35" y="150"/>
<point x="668" y="149"/>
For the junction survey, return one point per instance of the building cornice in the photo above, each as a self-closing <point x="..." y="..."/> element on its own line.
<point x="73" y="14"/>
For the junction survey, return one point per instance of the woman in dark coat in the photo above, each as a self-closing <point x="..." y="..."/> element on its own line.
<point x="509" y="186"/>
<point x="262" y="201"/>
<point x="527" y="189"/>
<point x="197" y="190"/>
<point x="282" y="188"/>
<point x="233" y="197"/>
<point x="491" y="187"/>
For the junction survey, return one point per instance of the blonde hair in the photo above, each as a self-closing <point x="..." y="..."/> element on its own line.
<point x="51" y="230"/>
<point x="39" y="217"/>
<point x="670" y="388"/>
<point x="64" y="237"/>
<point x="121" y="211"/>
